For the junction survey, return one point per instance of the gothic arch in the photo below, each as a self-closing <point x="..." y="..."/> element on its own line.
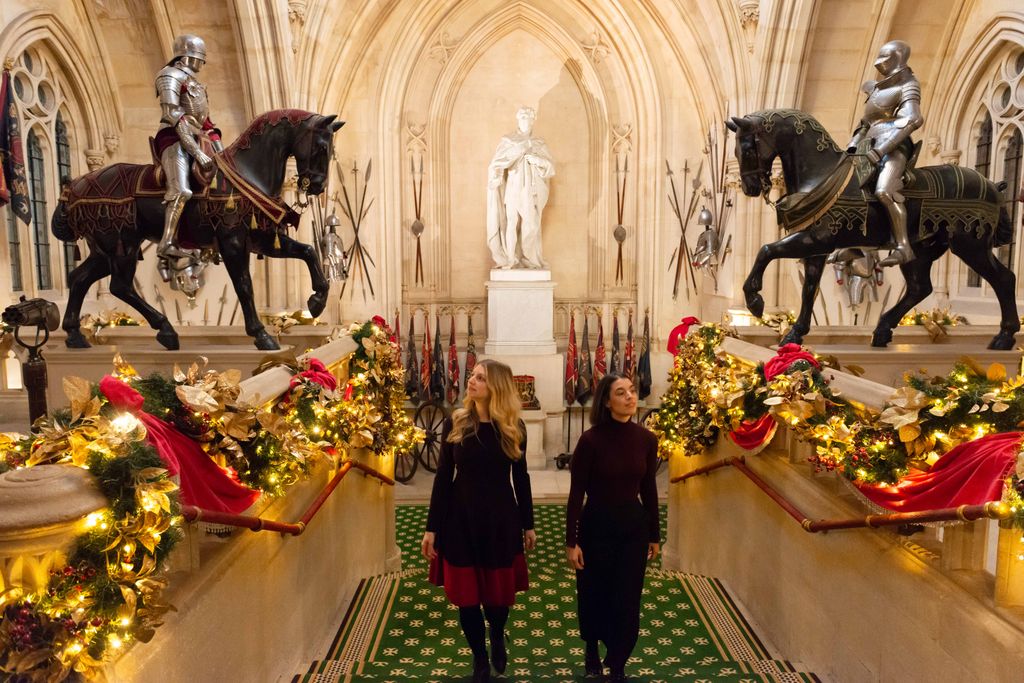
<point x="962" y="81"/>
<point x="95" y="98"/>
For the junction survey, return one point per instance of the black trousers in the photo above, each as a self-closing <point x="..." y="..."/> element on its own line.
<point x="608" y="589"/>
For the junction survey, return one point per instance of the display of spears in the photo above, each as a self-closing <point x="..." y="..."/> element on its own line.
<point x="682" y="253"/>
<point x="417" y="225"/>
<point x="357" y="253"/>
<point x="620" y="202"/>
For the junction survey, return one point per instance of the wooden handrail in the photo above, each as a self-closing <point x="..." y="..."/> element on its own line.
<point x="192" y="513"/>
<point x="963" y="513"/>
<point x="370" y="472"/>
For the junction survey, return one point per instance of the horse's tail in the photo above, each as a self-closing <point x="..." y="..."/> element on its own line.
<point x="1004" y="228"/>
<point x="59" y="225"/>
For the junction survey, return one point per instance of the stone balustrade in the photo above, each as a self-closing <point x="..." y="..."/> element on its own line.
<point x="950" y="595"/>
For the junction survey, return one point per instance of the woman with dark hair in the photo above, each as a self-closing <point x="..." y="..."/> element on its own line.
<point x="609" y="540"/>
<point x="481" y="512"/>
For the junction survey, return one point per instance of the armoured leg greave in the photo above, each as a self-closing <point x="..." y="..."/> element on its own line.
<point x="898" y="219"/>
<point x="168" y="247"/>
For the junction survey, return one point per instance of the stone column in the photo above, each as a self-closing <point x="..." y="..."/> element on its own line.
<point x="42" y="510"/>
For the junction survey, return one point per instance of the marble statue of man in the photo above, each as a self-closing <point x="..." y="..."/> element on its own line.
<point x="517" y="190"/>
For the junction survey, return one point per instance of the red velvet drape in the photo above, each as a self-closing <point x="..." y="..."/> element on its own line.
<point x="203" y="482"/>
<point x="969" y="474"/>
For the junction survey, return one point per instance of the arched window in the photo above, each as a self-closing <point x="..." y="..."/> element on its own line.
<point x="998" y="149"/>
<point x="14" y="251"/>
<point x="983" y="151"/>
<point x="982" y="164"/>
<point x="64" y="176"/>
<point x="51" y="152"/>
<point x="40" y="235"/>
<point x="1011" y="174"/>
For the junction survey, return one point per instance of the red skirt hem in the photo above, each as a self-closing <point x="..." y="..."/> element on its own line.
<point x="468" y="586"/>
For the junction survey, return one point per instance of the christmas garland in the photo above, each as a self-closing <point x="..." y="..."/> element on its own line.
<point x="109" y="592"/>
<point x="710" y="393"/>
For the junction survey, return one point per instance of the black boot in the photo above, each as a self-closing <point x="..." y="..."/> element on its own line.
<point x="481" y="669"/>
<point x="592" y="663"/>
<point x="499" y="656"/>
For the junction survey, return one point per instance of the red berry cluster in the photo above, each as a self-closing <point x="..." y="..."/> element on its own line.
<point x="24" y="628"/>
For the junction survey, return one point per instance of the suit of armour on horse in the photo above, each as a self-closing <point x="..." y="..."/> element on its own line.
<point x="918" y="212"/>
<point x="185" y="129"/>
<point x="233" y="208"/>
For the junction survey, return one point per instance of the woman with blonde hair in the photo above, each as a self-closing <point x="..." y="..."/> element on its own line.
<point x="481" y="512"/>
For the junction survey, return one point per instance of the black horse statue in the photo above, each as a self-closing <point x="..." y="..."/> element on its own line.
<point x="948" y="207"/>
<point x="238" y="211"/>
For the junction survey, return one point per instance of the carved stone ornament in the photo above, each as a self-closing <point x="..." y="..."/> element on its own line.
<point x="95" y="158"/>
<point x="750" y="15"/>
<point x="595" y="47"/>
<point x="111" y="142"/>
<point x="41" y="510"/>
<point x="443" y="48"/>
<point x="297" y="10"/>
<point x="622" y="142"/>
<point x="951" y="156"/>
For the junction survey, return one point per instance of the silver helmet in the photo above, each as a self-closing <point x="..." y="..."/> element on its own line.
<point x="189" y="46"/>
<point x="892" y="57"/>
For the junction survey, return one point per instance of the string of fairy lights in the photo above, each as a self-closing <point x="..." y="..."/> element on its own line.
<point x="711" y="393"/>
<point x="109" y="593"/>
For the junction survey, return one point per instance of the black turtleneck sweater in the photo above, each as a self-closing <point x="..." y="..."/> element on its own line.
<point x="614" y="464"/>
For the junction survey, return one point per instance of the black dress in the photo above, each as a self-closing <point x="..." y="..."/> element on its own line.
<point x="480" y="506"/>
<point x="614" y="465"/>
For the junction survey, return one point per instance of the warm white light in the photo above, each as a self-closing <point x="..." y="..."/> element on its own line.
<point x="125" y="423"/>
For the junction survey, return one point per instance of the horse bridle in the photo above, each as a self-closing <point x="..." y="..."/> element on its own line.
<point x="302" y="167"/>
<point x="763" y="174"/>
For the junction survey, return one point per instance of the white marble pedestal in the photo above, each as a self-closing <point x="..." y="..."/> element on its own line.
<point x="520" y="333"/>
<point x="520" y="312"/>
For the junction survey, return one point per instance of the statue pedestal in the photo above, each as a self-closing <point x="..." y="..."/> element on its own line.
<point x="520" y="312"/>
<point x="520" y="333"/>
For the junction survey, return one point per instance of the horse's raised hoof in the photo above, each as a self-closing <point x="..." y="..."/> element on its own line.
<point x="316" y="303"/>
<point x="881" y="338"/>
<point x="168" y="337"/>
<point x="264" y="342"/>
<point x="77" y="340"/>
<point x="1003" y="341"/>
<point x="755" y="304"/>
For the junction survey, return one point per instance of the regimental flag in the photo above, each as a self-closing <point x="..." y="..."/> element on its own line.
<point x="436" y="363"/>
<point x="585" y="377"/>
<point x="413" y="385"/>
<point x="396" y="336"/>
<point x="453" y="366"/>
<point x="628" y="364"/>
<point x="470" y="352"/>
<point x="643" y="366"/>
<point x="13" y="186"/>
<point x="615" y="362"/>
<point x="571" y="368"/>
<point x="427" y="365"/>
<point x="600" y="367"/>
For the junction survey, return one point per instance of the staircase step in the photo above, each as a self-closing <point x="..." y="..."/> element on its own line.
<point x="765" y="671"/>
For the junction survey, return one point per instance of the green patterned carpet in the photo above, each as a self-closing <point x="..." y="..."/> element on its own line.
<point x="399" y="627"/>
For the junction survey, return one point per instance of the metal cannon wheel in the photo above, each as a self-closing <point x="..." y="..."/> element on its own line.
<point x="405" y="466"/>
<point x="430" y="418"/>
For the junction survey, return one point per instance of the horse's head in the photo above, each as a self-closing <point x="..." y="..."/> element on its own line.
<point x="312" y="152"/>
<point x="754" y="153"/>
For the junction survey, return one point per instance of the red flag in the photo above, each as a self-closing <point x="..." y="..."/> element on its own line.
<point x="615" y="361"/>
<point x="413" y="385"/>
<point x="453" y="366"/>
<point x="600" y="365"/>
<point x="584" y="375"/>
<point x="396" y="336"/>
<point x="470" y="352"/>
<point x="628" y="368"/>
<point x="427" y="361"/>
<point x="571" y="363"/>
<point x="13" y="186"/>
